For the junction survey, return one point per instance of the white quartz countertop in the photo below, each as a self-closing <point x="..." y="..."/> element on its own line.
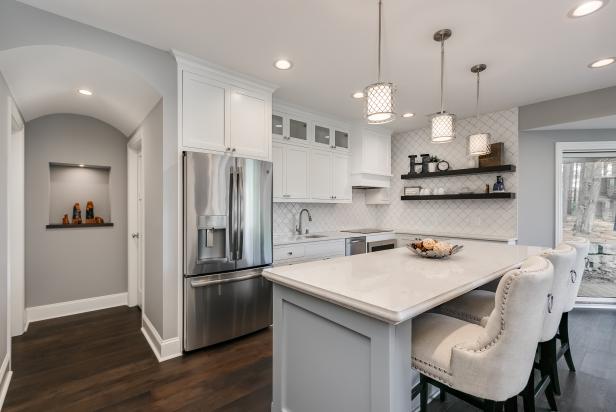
<point x="470" y="236"/>
<point x="396" y="285"/>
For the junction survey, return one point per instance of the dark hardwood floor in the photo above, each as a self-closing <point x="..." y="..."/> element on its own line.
<point x="100" y="361"/>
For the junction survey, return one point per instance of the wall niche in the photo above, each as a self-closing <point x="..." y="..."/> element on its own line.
<point x="70" y="184"/>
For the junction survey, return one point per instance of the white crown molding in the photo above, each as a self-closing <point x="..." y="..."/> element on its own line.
<point x="56" y="310"/>
<point x="5" y="378"/>
<point x="164" y="349"/>
<point x="202" y="66"/>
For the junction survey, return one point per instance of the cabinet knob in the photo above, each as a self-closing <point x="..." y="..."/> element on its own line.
<point x="289" y="253"/>
<point x="233" y="150"/>
<point x="227" y="149"/>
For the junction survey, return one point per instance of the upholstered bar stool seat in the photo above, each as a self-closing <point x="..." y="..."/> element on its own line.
<point x="488" y="364"/>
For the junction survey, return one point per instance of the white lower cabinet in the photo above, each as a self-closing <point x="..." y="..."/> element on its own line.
<point x="304" y="252"/>
<point x="291" y="168"/>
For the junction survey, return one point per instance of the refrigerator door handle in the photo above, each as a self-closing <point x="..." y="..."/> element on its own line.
<point x="231" y="222"/>
<point x="240" y="213"/>
<point x="203" y="283"/>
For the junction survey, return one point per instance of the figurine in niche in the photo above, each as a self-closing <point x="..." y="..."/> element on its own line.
<point x="90" y="212"/>
<point x="65" y="220"/>
<point x="499" y="186"/>
<point x="76" y="214"/>
<point x="98" y="220"/>
<point x="487" y="189"/>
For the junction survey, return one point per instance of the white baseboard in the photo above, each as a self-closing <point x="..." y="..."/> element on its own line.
<point x="163" y="349"/>
<point x="5" y="379"/>
<point x="73" y="307"/>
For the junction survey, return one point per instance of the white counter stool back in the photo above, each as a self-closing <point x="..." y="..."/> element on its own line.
<point x="475" y="307"/>
<point x="581" y="246"/>
<point x="486" y="365"/>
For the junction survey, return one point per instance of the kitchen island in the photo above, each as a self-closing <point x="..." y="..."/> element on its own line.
<point x="342" y="327"/>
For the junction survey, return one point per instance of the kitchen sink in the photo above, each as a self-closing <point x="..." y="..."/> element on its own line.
<point x="311" y="236"/>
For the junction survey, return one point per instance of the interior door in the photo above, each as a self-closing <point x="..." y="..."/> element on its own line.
<point x="140" y="233"/>
<point x="254" y="213"/>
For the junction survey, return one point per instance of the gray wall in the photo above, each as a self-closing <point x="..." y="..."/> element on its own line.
<point x="151" y="151"/>
<point x="5" y="133"/>
<point x="22" y="25"/>
<point x="70" y="264"/>
<point x="536" y="206"/>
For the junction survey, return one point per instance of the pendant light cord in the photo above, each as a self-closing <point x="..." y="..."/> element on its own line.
<point x="379" y="50"/>
<point x="477" y="101"/>
<point x="442" y="71"/>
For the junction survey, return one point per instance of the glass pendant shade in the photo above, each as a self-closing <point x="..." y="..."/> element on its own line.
<point x="379" y="103"/>
<point x="479" y="144"/>
<point x="443" y="127"/>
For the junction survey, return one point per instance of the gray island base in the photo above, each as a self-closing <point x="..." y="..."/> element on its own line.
<point x="342" y="327"/>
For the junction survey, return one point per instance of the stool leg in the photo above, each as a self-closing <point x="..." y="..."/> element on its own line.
<point x="563" y="330"/>
<point x="512" y="404"/>
<point x="423" y="394"/>
<point x="549" y="364"/>
<point x="492" y="406"/>
<point x="442" y="395"/>
<point x="528" y="394"/>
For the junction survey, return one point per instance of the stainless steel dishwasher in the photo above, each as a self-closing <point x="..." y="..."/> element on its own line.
<point x="355" y="245"/>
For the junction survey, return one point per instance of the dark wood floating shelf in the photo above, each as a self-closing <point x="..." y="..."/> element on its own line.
<point x="498" y="195"/>
<point x="456" y="172"/>
<point x="61" y="226"/>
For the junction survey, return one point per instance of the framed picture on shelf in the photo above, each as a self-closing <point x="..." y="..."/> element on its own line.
<point x="412" y="190"/>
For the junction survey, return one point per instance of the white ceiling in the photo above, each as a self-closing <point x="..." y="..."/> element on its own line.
<point x="45" y="80"/>
<point x="607" y="122"/>
<point x="534" y="52"/>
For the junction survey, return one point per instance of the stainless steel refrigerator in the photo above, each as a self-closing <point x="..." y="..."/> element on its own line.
<point x="227" y="243"/>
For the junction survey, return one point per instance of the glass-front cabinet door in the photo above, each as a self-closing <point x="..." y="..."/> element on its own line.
<point x="341" y="139"/>
<point x="322" y="135"/>
<point x="298" y="130"/>
<point x="279" y="129"/>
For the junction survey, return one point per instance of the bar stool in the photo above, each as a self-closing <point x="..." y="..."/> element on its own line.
<point x="581" y="246"/>
<point x="475" y="307"/>
<point x="489" y="365"/>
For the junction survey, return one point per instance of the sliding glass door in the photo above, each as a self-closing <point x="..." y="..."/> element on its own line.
<point x="589" y="210"/>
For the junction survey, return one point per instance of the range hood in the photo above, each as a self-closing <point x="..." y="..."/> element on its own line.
<point x="371" y="158"/>
<point x="370" y="181"/>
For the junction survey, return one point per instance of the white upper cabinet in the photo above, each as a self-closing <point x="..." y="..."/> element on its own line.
<point x="291" y="169"/>
<point x="321" y="175"/>
<point x="311" y="153"/>
<point x="341" y="184"/>
<point x="249" y="134"/>
<point x="371" y="159"/>
<point x="223" y="112"/>
<point x="203" y="117"/>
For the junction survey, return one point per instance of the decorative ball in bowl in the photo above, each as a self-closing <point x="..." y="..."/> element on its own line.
<point x="433" y="249"/>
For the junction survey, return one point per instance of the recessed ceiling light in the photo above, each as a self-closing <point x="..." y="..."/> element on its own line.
<point x="409" y="114"/>
<point x="586" y="8"/>
<point x="82" y="165"/>
<point x="602" y="62"/>
<point x="358" y="95"/>
<point x="283" y="64"/>
<point x="85" y="92"/>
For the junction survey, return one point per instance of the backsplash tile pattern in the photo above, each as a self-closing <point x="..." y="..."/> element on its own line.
<point x="491" y="217"/>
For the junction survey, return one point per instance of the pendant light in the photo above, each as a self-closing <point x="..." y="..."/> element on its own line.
<point x="443" y="123"/>
<point x="478" y="143"/>
<point x="379" y="104"/>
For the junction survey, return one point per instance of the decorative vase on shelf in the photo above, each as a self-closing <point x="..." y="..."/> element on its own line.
<point x="499" y="186"/>
<point x="432" y="167"/>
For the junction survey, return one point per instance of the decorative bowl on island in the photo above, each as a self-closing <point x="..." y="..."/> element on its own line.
<point x="433" y="249"/>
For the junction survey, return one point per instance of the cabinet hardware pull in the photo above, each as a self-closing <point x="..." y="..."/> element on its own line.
<point x="233" y="150"/>
<point x="289" y="253"/>
<point x="227" y="149"/>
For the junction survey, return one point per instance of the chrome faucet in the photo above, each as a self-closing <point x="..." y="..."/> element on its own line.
<point x="299" y="229"/>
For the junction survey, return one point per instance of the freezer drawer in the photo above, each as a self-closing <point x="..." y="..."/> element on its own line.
<point x="220" y="307"/>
